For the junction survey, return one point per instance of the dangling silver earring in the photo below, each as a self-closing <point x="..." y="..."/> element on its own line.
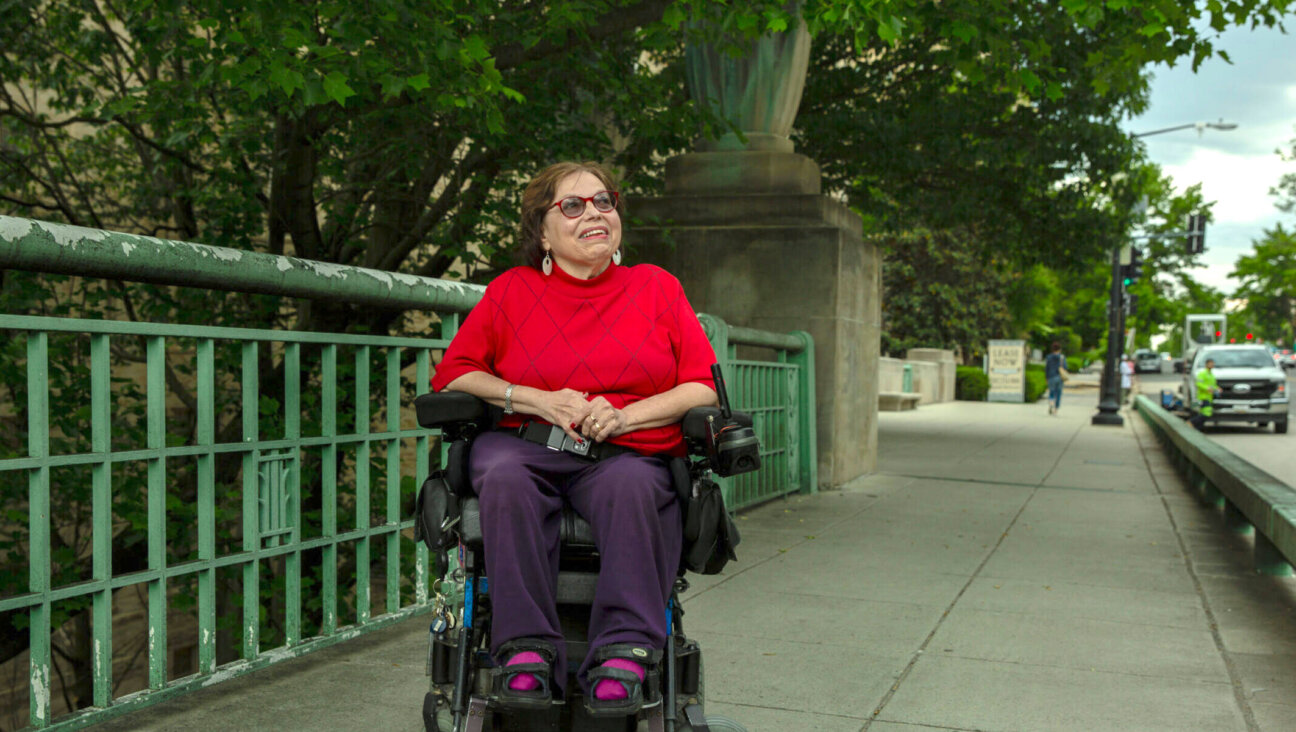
<point x="616" y="257"/>
<point x="547" y="265"/>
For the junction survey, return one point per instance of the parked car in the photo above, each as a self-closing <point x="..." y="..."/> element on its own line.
<point x="1146" y="360"/>
<point x="1252" y="387"/>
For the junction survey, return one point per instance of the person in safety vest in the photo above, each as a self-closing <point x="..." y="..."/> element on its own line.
<point x="1207" y="388"/>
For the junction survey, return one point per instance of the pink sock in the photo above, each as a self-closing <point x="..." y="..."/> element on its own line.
<point x="524" y="682"/>
<point x="609" y="690"/>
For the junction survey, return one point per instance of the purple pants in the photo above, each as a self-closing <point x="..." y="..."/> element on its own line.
<point x="630" y="504"/>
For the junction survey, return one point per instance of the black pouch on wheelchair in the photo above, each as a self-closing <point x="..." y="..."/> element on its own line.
<point x="436" y="514"/>
<point x="436" y="511"/>
<point x="709" y="534"/>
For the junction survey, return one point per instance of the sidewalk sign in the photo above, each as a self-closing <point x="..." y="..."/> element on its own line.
<point x="1007" y="371"/>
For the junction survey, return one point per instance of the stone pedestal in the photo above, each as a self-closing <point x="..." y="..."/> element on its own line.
<point x="776" y="255"/>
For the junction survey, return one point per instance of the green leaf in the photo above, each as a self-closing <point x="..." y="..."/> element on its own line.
<point x="335" y="86"/>
<point x="418" y="82"/>
<point x="963" y="30"/>
<point x="288" y="80"/>
<point x="475" y="48"/>
<point x="392" y="85"/>
<point x="294" y="39"/>
<point x="673" y="17"/>
<point x="1030" y="80"/>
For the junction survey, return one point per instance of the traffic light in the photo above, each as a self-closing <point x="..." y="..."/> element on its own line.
<point x="1134" y="269"/>
<point x="1131" y="304"/>
<point x="1196" y="233"/>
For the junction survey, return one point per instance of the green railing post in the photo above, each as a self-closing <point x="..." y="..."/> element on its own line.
<point x="157" y="539"/>
<point x="292" y="432"/>
<point x="807" y="427"/>
<point x="422" y="445"/>
<point x="362" y="483"/>
<point x="101" y="518"/>
<point x="38" y="518"/>
<point x="251" y="408"/>
<point x="393" y="479"/>
<point x="206" y="434"/>
<point x="906" y="381"/>
<point x="717" y="331"/>
<point x="328" y="623"/>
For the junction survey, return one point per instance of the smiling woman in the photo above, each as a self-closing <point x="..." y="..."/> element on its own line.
<point x="594" y="364"/>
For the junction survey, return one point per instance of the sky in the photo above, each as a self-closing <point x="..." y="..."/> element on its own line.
<point x="1236" y="168"/>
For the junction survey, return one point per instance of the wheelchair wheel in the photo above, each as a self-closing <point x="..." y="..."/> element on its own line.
<point x="715" y="722"/>
<point x="719" y="723"/>
<point x="436" y="717"/>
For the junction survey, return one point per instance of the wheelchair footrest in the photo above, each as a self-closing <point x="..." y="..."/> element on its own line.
<point x="688" y="666"/>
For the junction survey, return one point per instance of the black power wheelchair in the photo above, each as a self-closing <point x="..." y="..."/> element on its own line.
<point x="447" y="519"/>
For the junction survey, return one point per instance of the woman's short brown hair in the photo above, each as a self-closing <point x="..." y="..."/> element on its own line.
<point x="538" y="196"/>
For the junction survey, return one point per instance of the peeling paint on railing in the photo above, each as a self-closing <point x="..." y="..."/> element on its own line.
<point x="43" y="246"/>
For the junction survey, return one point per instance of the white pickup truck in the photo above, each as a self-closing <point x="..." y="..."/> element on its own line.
<point x="1252" y="388"/>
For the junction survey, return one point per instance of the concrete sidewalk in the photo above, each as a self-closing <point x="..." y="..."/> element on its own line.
<point x="1004" y="570"/>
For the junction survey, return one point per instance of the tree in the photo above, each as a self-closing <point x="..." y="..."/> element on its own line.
<point x="1267" y="282"/>
<point x="1001" y="118"/>
<point x="1285" y="190"/>
<point x="938" y="293"/>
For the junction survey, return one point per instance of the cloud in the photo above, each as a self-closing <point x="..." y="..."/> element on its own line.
<point x="1239" y="184"/>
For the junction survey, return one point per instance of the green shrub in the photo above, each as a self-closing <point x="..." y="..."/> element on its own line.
<point x="971" y="384"/>
<point x="1075" y="363"/>
<point x="1036" y="382"/>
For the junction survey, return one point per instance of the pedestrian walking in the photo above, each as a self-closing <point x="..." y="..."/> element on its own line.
<point x="1055" y="371"/>
<point x="1127" y="377"/>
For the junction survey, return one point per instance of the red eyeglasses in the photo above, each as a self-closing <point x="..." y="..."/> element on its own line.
<point x="573" y="206"/>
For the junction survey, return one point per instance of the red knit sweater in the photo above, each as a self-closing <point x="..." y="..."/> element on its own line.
<point x="624" y="335"/>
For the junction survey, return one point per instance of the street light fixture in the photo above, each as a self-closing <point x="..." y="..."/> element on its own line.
<point x="1199" y="126"/>
<point x="1109" y="387"/>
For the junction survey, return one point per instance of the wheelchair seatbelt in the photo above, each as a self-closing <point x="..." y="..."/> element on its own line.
<point x="555" y="438"/>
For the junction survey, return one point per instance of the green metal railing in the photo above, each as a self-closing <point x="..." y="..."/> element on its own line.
<point x="311" y="372"/>
<point x="271" y="476"/>
<point x="780" y="396"/>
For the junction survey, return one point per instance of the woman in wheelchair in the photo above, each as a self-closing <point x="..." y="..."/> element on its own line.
<point x="594" y="364"/>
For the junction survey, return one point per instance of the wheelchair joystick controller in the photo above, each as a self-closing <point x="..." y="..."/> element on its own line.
<point x="732" y="448"/>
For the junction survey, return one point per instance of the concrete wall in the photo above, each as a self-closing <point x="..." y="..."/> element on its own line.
<point x="928" y="379"/>
<point x="946" y="367"/>
<point x="784" y="263"/>
<point x="890" y="374"/>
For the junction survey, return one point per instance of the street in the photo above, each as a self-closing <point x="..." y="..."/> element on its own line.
<point x="1275" y="454"/>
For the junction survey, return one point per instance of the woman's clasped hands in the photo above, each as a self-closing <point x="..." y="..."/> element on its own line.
<point x="582" y="417"/>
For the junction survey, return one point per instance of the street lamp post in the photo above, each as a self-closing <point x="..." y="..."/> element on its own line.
<point x="1109" y="395"/>
<point x="1109" y="386"/>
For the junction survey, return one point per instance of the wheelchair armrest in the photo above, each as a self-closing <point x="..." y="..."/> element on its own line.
<point x="453" y="409"/>
<point x="695" y="422"/>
